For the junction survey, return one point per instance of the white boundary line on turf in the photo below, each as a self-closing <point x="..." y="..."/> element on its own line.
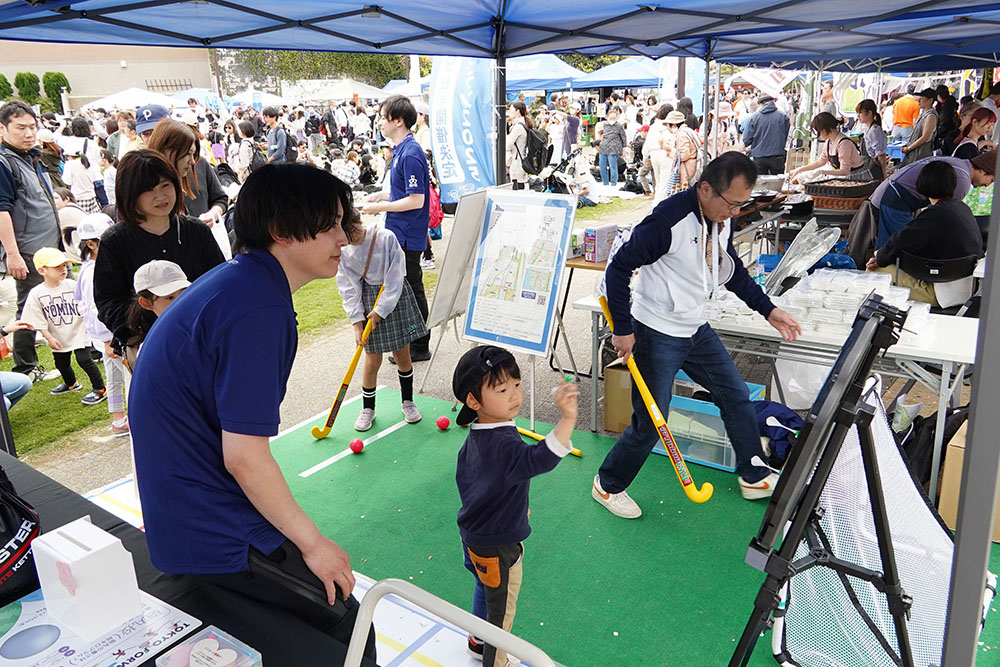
<point x="320" y="414"/>
<point x="347" y="452"/>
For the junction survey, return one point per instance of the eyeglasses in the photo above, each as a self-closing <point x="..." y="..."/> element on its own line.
<point x="733" y="206"/>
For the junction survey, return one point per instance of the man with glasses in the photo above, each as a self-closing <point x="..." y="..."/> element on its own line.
<point x="684" y="254"/>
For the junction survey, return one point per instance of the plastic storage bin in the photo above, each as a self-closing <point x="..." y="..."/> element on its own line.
<point x="211" y="647"/>
<point x="697" y="426"/>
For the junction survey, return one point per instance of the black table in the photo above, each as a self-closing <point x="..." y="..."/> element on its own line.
<point x="281" y="638"/>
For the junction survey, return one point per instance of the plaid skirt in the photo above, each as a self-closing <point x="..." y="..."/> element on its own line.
<point x="403" y="325"/>
<point x="89" y="205"/>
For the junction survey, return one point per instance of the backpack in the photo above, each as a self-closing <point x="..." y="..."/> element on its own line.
<point x="257" y="158"/>
<point x="18" y="527"/>
<point x="437" y="215"/>
<point x="537" y="152"/>
<point x="918" y="442"/>
<point x="291" y="150"/>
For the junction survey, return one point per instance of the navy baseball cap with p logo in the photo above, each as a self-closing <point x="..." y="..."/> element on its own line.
<point x="148" y="116"/>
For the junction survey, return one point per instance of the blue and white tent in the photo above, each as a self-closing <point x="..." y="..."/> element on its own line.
<point x="638" y="72"/>
<point x="540" y="72"/>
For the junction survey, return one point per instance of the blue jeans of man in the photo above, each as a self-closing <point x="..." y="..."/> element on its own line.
<point x="706" y="361"/>
<point x="609" y="168"/>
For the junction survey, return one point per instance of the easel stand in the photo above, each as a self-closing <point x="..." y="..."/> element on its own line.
<point x="850" y="409"/>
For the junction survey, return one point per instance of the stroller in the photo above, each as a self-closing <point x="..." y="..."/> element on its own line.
<point x="558" y="179"/>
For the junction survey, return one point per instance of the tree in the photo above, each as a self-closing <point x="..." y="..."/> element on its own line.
<point x="588" y="63"/>
<point x="376" y="69"/>
<point x="54" y="82"/>
<point x="27" y="87"/>
<point x="425" y="65"/>
<point x="6" y="91"/>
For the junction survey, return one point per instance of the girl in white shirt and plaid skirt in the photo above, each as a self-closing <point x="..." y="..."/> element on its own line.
<point x="373" y="259"/>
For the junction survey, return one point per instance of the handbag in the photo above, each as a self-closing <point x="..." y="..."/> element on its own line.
<point x="18" y="527"/>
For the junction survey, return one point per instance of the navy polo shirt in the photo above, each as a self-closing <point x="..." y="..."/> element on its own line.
<point x="218" y="358"/>
<point x="409" y="177"/>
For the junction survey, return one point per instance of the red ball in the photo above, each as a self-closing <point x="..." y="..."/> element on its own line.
<point x="443" y="423"/>
<point x="357" y="445"/>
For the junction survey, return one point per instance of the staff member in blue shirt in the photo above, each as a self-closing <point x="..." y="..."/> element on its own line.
<point x="214" y="500"/>
<point x="407" y="204"/>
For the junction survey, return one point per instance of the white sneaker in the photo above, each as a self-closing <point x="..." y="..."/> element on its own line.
<point x="618" y="504"/>
<point x="427" y="264"/>
<point x="410" y="412"/>
<point x="364" y="420"/>
<point x="761" y="489"/>
<point x="904" y="414"/>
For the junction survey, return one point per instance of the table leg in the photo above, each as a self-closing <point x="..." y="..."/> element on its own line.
<point x="944" y="395"/>
<point x="569" y="349"/>
<point x="559" y="312"/>
<point x="595" y="324"/>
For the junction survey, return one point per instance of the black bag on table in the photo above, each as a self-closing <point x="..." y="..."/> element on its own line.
<point x="18" y="527"/>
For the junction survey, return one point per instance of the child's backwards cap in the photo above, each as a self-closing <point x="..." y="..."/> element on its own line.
<point x="94" y="226"/>
<point x="469" y="373"/>
<point x="51" y="257"/>
<point x="160" y="277"/>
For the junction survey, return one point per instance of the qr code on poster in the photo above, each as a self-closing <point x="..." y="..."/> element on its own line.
<point x="541" y="300"/>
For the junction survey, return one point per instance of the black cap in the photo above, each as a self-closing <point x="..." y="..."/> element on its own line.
<point x="475" y="365"/>
<point x="929" y="93"/>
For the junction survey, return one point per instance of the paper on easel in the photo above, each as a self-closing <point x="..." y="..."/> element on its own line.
<point x="87" y="578"/>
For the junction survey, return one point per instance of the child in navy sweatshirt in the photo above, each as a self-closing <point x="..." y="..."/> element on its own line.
<point x="495" y="467"/>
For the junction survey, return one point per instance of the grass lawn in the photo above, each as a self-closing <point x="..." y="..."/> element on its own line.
<point x="40" y="419"/>
<point x="617" y="210"/>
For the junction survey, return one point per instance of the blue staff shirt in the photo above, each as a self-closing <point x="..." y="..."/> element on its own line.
<point x="218" y="358"/>
<point x="409" y="177"/>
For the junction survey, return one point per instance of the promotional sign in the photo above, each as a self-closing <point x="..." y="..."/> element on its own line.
<point x="461" y="125"/>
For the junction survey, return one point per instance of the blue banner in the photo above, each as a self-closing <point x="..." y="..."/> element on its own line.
<point x="461" y="125"/>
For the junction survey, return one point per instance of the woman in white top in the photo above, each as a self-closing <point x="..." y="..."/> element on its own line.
<point x="631" y="119"/>
<point x="517" y="142"/>
<point x="80" y="141"/>
<point x="873" y="148"/>
<point x="244" y="154"/>
<point x="76" y="176"/>
<point x="659" y="149"/>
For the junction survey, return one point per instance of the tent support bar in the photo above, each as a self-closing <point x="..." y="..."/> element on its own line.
<point x="709" y="48"/>
<point x="500" y="94"/>
<point x="583" y="31"/>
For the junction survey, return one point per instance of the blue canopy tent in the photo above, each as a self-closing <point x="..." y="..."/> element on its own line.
<point x="891" y="35"/>
<point x="639" y="72"/>
<point x="540" y="72"/>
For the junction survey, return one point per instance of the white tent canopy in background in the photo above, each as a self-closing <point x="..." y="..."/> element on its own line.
<point x="131" y="98"/>
<point x="326" y="90"/>
<point x="411" y="89"/>
<point x="247" y="98"/>
<point x="770" y="81"/>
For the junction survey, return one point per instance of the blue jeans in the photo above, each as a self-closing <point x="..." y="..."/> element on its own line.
<point x="479" y="592"/>
<point x="609" y="168"/>
<point x="14" y="386"/>
<point x="706" y="361"/>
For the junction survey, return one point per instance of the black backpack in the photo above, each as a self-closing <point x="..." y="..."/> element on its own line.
<point x="257" y="158"/>
<point x="537" y="152"/>
<point x="291" y="146"/>
<point x="18" y="527"/>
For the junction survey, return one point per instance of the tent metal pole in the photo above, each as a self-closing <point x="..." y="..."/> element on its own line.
<point x="704" y="107"/>
<point x="977" y="499"/>
<point x="716" y="120"/>
<point x="500" y="120"/>
<point x="817" y="87"/>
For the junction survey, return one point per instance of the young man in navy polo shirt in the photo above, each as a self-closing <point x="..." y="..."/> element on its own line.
<point x="407" y="206"/>
<point x="205" y="399"/>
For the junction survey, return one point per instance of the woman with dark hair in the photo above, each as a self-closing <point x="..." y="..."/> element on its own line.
<point x="944" y="230"/>
<point x="204" y="197"/>
<point x="980" y="126"/>
<point x="52" y="156"/>
<point x="231" y="141"/>
<point x="686" y="107"/>
<point x="964" y="118"/>
<point x="873" y="148"/>
<point x="921" y="143"/>
<point x="517" y="142"/>
<point x="152" y="225"/>
<point x="81" y="141"/>
<point x="947" y="111"/>
<point x="244" y="155"/>
<point x="840" y="152"/>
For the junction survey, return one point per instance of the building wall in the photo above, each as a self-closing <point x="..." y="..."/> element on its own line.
<point x="95" y="71"/>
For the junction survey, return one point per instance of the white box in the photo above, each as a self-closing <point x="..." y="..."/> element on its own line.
<point x="597" y="242"/>
<point x="87" y="577"/>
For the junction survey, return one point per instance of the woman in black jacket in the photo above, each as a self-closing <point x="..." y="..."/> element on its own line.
<point x="151" y="226"/>
<point x="204" y="197"/>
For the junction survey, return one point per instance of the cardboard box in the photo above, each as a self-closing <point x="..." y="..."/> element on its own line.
<point x="597" y="242"/>
<point x="951" y="482"/>
<point x="617" y="397"/>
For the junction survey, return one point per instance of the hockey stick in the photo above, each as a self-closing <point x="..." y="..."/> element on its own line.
<point x="539" y="437"/>
<point x="694" y="494"/>
<point x="320" y="433"/>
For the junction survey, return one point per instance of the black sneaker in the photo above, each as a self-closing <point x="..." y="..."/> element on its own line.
<point x="475" y="647"/>
<point x="95" y="397"/>
<point x="420" y="355"/>
<point x="63" y="388"/>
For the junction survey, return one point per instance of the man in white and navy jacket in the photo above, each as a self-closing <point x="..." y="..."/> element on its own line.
<point x="684" y="253"/>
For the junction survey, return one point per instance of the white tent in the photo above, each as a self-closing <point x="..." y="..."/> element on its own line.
<point x="131" y="98"/>
<point x="411" y="88"/>
<point x="250" y="96"/>
<point x="336" y="90"/>
<point x="770" y="81"/>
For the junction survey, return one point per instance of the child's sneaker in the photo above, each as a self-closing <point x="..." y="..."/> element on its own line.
<point x="760" y="489"/>
<point x="120" y="430"/>
<point x="63" y="388"/>
<point x="39" y="374"/>
<point x="410" y="412"/>
<point x="475" y="647"/>
<point x="619" y="504"/>
<point x="364" y="420"/>
<point x="95" y="397"/>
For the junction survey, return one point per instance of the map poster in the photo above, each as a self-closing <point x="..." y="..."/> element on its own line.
<point x="518" y="268"/>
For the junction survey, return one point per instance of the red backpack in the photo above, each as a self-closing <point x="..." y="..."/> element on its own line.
<point x="437" y="215"/>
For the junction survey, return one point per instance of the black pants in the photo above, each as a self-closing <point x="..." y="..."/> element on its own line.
<point x="25" y="357"/>
<point x="85" y="361"/>
<point x="283" y="580"/>
<point x="415" y="277"/>
<point x="770" y="164"/>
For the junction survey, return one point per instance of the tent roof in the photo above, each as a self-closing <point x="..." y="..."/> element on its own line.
<point x="540" y="72"/>
<point x="639" y="71"/>
<point x="132" y="98"/>
<point x="850" y="35"/>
